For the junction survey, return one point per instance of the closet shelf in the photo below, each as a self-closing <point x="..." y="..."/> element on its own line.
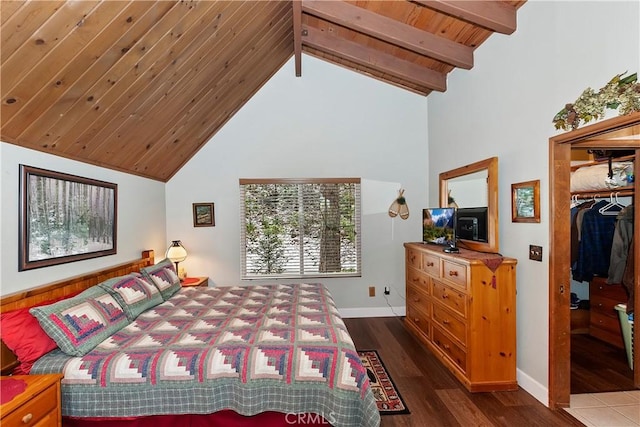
<point x="628" y="158"/>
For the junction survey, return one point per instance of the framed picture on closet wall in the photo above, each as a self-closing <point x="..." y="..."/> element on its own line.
<point x="525" y="201"/>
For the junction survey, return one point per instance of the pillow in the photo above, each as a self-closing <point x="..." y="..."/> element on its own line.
<point x="23" y="335"/>
<point x="164" y="276"/>
<point x="596" y="177"/>
<point x="80" y="323"/>
<point x="133" y="293"/>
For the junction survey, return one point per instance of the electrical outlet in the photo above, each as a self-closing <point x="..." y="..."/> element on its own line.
<point x="372" y="291"/>
<point x="387" y="291"/>
<point x="535" y="253"/>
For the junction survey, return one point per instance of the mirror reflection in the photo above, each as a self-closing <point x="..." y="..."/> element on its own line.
<point x="473" y="189"/>
<point x="468" y="191"/>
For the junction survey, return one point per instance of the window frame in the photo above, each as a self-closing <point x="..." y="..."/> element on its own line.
<point x="245" y="275"/>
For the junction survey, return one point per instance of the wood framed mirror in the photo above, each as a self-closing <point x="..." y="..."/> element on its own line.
<point x="473" y="189"/>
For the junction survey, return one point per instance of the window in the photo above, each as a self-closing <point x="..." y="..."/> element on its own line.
<point x="300" y="227"/>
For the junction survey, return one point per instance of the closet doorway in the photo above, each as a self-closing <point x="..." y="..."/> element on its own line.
<point x="620" y="133"/>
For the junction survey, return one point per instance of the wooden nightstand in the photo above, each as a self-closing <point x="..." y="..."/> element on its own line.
<point x="194" y="282"/>
<point x="38" y="405"/>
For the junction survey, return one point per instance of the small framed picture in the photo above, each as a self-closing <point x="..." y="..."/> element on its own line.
<point x="203" y="215"/>
<point x="525" y="202"/>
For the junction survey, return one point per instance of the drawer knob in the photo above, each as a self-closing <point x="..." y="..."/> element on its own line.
<point x="446" y="347"/>
<point x="445" y="322"/>
<point x="429" y="264"/>
<point x="445" y="296"/>
<point x="417" y="320"/>
<point x="27" y="418"/>
<point x="453" y="273"/>
<point x="416" y="299"/>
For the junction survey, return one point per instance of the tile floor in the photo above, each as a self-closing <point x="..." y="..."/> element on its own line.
<point x="619" y="409"/>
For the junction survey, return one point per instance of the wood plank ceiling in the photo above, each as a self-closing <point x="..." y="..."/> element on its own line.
<point x="141" y="86"/>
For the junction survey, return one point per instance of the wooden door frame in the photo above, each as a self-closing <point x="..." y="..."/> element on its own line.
<point x="592" y="136"/>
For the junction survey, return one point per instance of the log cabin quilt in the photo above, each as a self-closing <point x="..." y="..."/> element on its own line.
<point x="251" y="349"/>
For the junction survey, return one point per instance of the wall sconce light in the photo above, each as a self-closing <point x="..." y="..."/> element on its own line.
<point x="176" y="253"/>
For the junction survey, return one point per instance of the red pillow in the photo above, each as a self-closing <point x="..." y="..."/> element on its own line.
<point x="22" y="333"/>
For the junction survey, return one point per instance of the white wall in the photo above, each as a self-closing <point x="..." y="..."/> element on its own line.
<point x="329" y="123"/>
<point x="141" y="217"/>
<point x="504" y="106"/>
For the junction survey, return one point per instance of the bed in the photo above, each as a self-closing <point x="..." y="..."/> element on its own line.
<point x="255" y="355"/>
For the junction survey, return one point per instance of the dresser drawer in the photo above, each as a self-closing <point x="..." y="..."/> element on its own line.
<point x="418" y="279"/>
<point x="49" y="420"/>
<point x="450" y="297"/>
<point x="419" y="317"/>
<point x="36" y="409"/>
<point x="417" y="295"/>
<point x="607" y="323"/>
<point x="455" y="273"/>
<point x="451" y="323"/>
<point x="414" y="258"/>
<point x="603" y="306"/>
<point x="431" y="264"/>
<point x="606" y="328"/>
<point x="452" y="350"/>
<point x="599" y="288"/>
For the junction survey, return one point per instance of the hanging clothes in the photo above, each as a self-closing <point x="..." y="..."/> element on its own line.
<point x="621" y="264"/>
<point x="576" y="222"/>
<point x="594" y="248"/>
<point x="622" y="236"/>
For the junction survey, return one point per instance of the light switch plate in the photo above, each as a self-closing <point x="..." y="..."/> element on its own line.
<point x="535" y="253"/>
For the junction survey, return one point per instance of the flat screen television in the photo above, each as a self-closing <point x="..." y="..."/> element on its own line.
<point x="439" y="227"/>
<point x="471" y="224"/>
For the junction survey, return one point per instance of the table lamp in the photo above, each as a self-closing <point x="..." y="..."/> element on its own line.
<point x="176" y="253"/>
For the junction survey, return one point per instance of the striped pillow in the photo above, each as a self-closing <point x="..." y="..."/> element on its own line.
<point x="80" y="323"/>
<point x="163" y="275"/>
<point x="133" y="293"/>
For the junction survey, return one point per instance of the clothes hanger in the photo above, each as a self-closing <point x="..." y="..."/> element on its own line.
<point x="574" y="201"/>
<point x="613" y="207"/>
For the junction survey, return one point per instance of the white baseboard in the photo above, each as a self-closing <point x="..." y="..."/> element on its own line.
<point x="533" y="387"/>
<point x="372" y="312"/>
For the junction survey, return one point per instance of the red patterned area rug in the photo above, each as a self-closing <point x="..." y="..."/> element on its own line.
<point x="384" y="390"/>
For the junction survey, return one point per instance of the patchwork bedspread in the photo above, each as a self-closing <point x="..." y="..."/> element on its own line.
<point x="251" y="349"/>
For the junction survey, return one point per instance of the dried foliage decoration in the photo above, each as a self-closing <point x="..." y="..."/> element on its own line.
<point x="621" y="92"/>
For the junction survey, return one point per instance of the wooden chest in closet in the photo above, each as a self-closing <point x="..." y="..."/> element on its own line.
<point x="465" y="313"/>
<point x="603" y="317"/>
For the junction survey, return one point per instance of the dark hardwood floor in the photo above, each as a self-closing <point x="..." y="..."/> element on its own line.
<point x="598" y="367"/>
<point x="433" y="395"/>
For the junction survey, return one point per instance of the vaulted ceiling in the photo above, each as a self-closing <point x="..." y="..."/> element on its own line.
<point x="141" y="86"/>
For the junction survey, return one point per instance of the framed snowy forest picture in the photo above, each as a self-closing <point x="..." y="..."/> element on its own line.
<point x="64" y="218"/>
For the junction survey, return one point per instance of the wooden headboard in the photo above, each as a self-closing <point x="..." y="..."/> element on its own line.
<point x="73" y="285"/>
<point x="30" y="297"/>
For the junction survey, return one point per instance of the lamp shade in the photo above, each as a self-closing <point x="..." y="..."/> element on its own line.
<point x="176" y="252"/>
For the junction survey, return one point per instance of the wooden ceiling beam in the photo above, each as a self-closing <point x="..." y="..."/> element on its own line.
<point x="493" y="15"/>
<point x="391" y="31"/>
<point x="372" y="58"/>
<point x="297" y="36"/>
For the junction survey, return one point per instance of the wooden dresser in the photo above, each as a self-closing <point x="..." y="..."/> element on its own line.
<point x="38" y="405"/>
<point x="604" y="322"/>
<point x="465" y="313"/>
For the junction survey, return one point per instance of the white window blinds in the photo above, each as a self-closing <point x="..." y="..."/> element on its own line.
<point x="300" y="227"/>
